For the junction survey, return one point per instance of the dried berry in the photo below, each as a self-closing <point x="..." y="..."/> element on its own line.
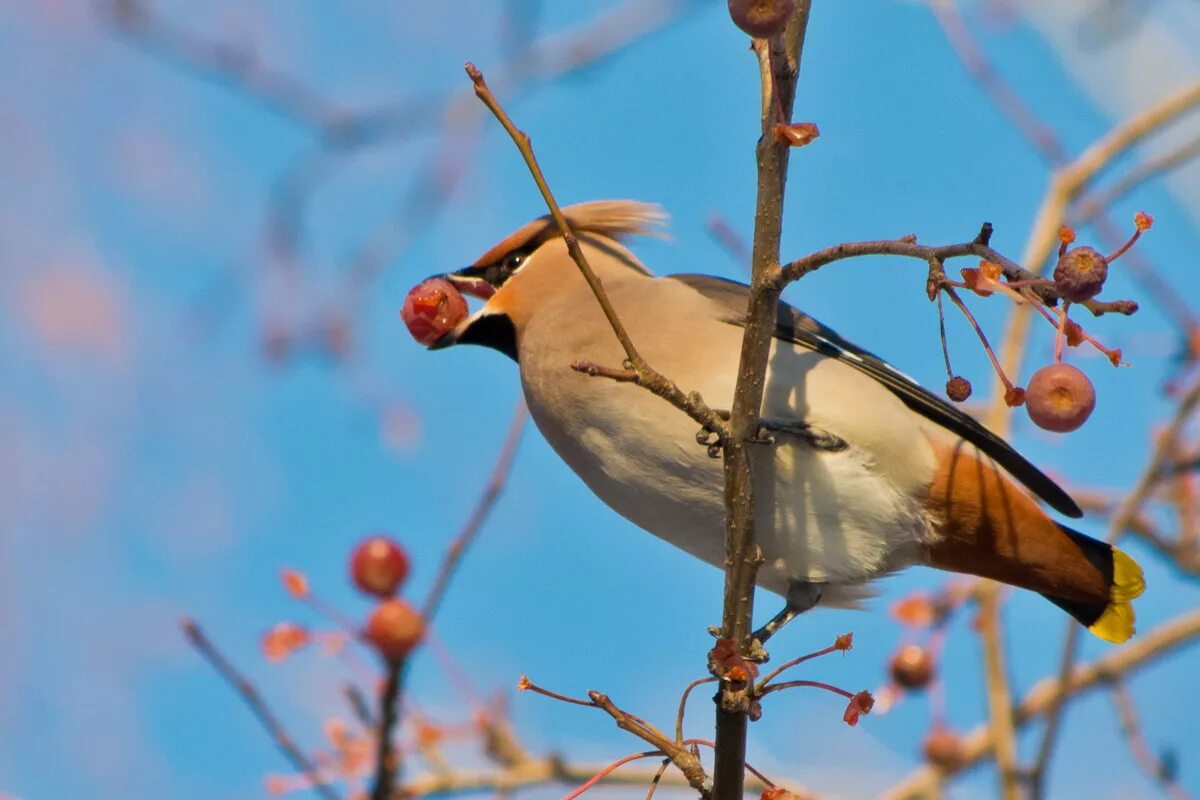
<point x="1079" y="274"/>
<point x="912" y="666"/>
<point x="1014" y="397"/>
<point x="1060" y="398"/>
<point x="394" y="629"/>
<point x="378" y="566"/>
<point x="958" y="388"/>
<point x="432" y="309"/>
<point x="944" y="748"/>
<point x="761" y="18"/>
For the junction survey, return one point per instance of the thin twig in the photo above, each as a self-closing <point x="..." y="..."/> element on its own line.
<point x="683" y="698"/>
<point x="258" y="707"/>
<point x="690" y="403"/>
<point x="908" y="247"/>
<point x="1154" y="767"/>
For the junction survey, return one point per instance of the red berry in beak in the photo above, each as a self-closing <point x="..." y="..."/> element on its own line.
<point x="432" y="309"/>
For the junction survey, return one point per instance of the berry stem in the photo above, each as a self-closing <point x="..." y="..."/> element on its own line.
<point x="982" y="337"/>
<point x="942" y="333"/>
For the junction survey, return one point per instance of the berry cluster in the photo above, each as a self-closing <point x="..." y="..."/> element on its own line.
<point x="1059" y="396"/>
<point x="378" y="567"/>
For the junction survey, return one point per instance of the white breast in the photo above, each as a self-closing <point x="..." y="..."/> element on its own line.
<point x="842" y="517"/>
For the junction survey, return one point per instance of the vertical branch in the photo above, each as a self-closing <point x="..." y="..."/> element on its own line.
<point x="387" y="756"/>
<point x="779" y="61"/>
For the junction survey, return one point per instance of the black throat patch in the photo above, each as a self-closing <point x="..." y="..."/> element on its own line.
<point x="492" y="330"/>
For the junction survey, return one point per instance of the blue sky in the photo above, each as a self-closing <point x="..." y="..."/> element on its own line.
<point x="155" y="465"/>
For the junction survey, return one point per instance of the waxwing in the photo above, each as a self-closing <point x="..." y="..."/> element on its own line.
<point x="870" y="472"/>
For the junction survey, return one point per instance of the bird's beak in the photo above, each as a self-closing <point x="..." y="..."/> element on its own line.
<point x="469" y="281"/>
<point x="472" y="284"/>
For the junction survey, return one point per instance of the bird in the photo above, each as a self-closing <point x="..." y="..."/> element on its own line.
<point x="868" y="472"/>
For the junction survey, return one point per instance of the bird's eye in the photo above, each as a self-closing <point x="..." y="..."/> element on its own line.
<point x="513" y="260"/>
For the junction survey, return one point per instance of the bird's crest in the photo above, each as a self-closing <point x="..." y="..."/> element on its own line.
<point x="616" y="219"/>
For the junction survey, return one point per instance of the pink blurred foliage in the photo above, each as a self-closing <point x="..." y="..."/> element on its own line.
<point x="400" y="428"/>
<point x="74" y="309"/>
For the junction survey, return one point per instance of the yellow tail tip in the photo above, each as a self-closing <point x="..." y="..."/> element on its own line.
<point x="1117" y="622"/>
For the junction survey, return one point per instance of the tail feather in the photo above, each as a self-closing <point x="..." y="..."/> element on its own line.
<point x="987" y="526"/>
<point x="1113" y="620"/>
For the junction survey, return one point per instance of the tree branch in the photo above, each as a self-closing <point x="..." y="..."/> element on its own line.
<point x="647" y="377"/>
<point x="779" y="67"/>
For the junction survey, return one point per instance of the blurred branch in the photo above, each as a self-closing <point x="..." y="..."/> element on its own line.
<point x="258" y="707"/>
<point x="387" y="763"/>
<point x="1095" y="203"/>
<point x="978" y="745"/>
<point x="1154" y="767"/>
<point x="387" y="755"/>
<point x="487" y="501"/>
<point x="1002" y="94"/>
<point x="1068" y="180"/>
<point x="1129" y="509"/>
<point x="235" y="65"/>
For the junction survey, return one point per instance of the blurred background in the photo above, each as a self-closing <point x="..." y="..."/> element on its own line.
<point x="210" y="215"/>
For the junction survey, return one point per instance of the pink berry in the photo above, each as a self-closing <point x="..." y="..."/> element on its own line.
<point x="432" y="309"/>
<point x="394" y="629"/>
<point x="1060" y="398"/>
<point x="944" y="748"/>
<point x="378" y="566"/>
<point x="761" y="18"/>
<point x="1079" y="274"/>
<point x="912" y="666"/>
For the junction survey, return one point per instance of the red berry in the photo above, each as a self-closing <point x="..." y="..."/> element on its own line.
<point x="1060" y="398"/>
<point x="432" y="309"/>
<point x="912" y="667"/>
<point x="394" y="629"/>
<point x="761" y="18"/>
<point x="378" y="566"/>
<point x="1079" y="274"/>
<point x="943" y="748"/>
<point x="958" y="388"/>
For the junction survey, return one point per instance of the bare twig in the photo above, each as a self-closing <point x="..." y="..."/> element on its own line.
<point x="647" y="377"/>
<point x="540" y="772"/>
<point x="1095" y="203"/>
<point x="978" y="744"/>
<point x="258" y="707"/>
<point x="1151" y="764"/>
